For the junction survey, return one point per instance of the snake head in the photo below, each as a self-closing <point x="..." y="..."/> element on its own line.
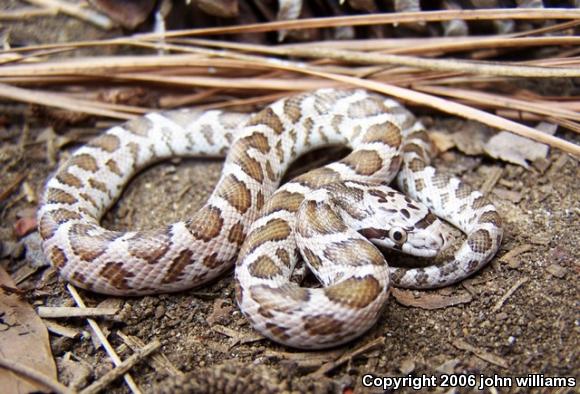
<point x="411" y="228"/>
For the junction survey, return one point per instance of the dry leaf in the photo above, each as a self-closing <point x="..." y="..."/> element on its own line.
<point x="515" y="149"/>
<point x="24" y="340"/>
<point x="429" y="300"/>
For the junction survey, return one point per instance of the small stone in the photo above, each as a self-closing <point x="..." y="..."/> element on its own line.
<point x="557" y="270"/>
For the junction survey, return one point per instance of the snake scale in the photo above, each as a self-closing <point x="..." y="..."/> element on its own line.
<point x="325" y="216"/>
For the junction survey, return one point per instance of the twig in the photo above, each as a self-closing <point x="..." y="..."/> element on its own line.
<point x="323" y="370"/>
<point x="122" y="368"/>
<point x="548" y="109"/>
<point x="77" y="11"/>
<point x="33" y="374"/>
<point x="56" y="100"/>
<point x="491" y="180"/>
<point x="52" y="312"/>
<point x="508" y="294"/>
<point x="159" y="361"/>
<point x="60" y="330"/>
<point x="103" y="339"/>
<point x="484" y="355"/>
<point x="479" y="68"/>
<point x="24" y="13"/>
<point x="376" y="19"/>
<point x="12" y="186"/>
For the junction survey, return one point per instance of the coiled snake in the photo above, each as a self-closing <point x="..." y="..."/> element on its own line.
<point x="328" y="213"/>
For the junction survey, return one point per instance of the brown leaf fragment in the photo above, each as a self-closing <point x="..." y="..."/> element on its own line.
<point x="557" y="270"/>
<point x="482" y="354"/>
<point x="510" y="258"/>
<point x="430" y="300"/>
<point x="220" y="8"/>
<point x="515" y="149"/>
<point x="128" y="13"/>
<point x="23" y="341"/>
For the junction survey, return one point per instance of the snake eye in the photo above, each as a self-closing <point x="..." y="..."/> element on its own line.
<point x="398" y="235"/>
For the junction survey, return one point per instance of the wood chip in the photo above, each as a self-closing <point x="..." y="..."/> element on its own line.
<point x="121" y="369"/>
<point x="510" y="258"/>
<point x="63" y="331"/>
<point x="375" y="344"/>
<point x="491" y="180"/>
<point x="482" y="354"/>
<point x="236" y="335"/>
<point x="159" y="361"/>
<point x="508" y="294"/>
<point x="557" y="270"/>
<point x="429" y="301"/>
<point x="53" y="312"/>
<point x="509" y="195"/>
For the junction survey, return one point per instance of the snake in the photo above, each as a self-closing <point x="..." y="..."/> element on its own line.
<point x="334" y="217"/>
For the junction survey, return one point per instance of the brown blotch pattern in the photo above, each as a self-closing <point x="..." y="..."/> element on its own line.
<point x="428" y="220"/>
<point x="236" y="234"/>
<point x="264" y="268"/>
<point x="249" y="165"/>
<point x="236" y="194"/>
<point x="178" y="265"/>
<point x="258" y="141"/>
<point x="58" y="196"/>
<point x="490" y="217"/>
<point x="269" y="118"/>
<point x="84" y="161"/>
<point x="62" y="215"/>
<point x="283" y="256"/>
<point x="69" y="179"/>
<point x="277" y="331"/>
<point x="462" y="191"/>
<point x="89" y="198"/>
<point x="259" y="200"/>
<point x="480" y="241"/>
<point x="100" y="186"/>
<point x="139" y="126"/>
<point x="284" y="200"/>
<point x="322" y="325"/>
<point x="419" y="184"/>
<point x="107" y="142"/>
<point x="364" y="162"/>
<point x="207" y="223"/>
<point x="312" y="258"/>
<point x="46" y="227"/>
<point x="89" y="241"/>
<point x="212" y="261"/>
<point x="353" y="252"/>
<point x="318" y="177"/>
<point x="58" y="257"/>
<point x="417" y="165"/>
<point x="479" y="202"/>
<point x="292" y="110"/>
<point x="270" y="172"/>
<point x="149" y="245"/>
<point x="116" y="275"/>
<point x="321" y="220"/>
<point x="368" y="107"/>
<point x="387" y="133"/>
<point x="336" y="121"/>
<point x="274" y="230"/>
<point x="279" y="151"/>
<point x="355" y="292"/>
<point x="113" y="167"/>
